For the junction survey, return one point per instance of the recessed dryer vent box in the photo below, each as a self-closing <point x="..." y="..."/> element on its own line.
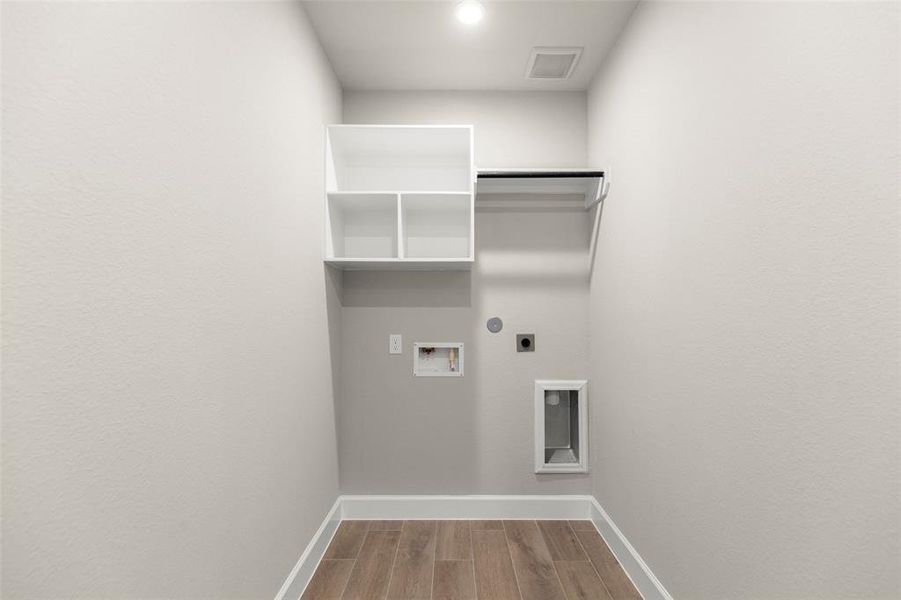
<point x="439" y="359"/>
<point x="561" y="426"/>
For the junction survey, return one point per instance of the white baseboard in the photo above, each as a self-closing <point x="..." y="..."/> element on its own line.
<point x="473" y="507"/>
<point x="466" y="507"/>
<point x="306" y="565"/>
<point x="638" y="571"/>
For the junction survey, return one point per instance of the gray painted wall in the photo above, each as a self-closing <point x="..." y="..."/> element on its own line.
<point x="400" y="434"/>
<point x="745" y="299"/>
<point x="168" y="421"/>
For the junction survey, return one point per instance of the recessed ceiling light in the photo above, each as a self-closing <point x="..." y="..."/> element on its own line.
<point x="470" y="12"/>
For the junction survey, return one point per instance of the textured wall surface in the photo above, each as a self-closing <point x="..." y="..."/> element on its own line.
<point x="745" y="297"/>
<point x="400" y="434"/>
<point x="167" y="407"/>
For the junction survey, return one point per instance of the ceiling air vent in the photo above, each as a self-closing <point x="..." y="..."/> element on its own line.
<point x="552" y="63"/>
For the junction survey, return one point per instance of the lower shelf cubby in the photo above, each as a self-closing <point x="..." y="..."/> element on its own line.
<point x="362" y="226"/>
<point x="437" y="225"/>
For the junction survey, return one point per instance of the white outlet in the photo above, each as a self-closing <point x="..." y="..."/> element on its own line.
<point x="395" y="344"/>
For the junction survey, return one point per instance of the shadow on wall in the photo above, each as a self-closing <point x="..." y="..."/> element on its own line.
<point x="512" y="252"/>
<point x="407" y="289"/>
<point x="334" y="283"/>
<point x="532" y="249"/>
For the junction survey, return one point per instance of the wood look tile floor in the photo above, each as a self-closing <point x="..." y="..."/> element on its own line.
<point x="469" y="560"/>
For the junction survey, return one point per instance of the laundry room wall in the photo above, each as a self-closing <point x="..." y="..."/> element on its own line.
<point x="745" y="297"/>
<point x="470" y="435"/>
<point x="168" y="424"/>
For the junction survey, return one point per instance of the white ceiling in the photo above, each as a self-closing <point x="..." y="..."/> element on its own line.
<point x="420" y="45"/>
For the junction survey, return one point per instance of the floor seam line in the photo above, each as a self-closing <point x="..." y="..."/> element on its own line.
<point x="347" y="583"/>
<point x="393" y="562"/>
<point x="512" y="565"/>
<point x="472" y="556"/>
<point x="547" y="542"/>
<point x="472" y="544"/>
<point x="591" y="562"/>
<point x="434" y="563"/>
<point x="559" y="580"/>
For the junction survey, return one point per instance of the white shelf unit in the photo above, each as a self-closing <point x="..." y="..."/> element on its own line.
<point x="399" y="197"/>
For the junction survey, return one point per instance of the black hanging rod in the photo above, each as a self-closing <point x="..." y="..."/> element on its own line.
<point x="539" y="174"/>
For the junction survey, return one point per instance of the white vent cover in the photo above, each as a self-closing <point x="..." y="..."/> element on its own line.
<point x="552" y="63"/>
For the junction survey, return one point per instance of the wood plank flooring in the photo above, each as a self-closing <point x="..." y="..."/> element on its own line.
<point x="469" y="560"/>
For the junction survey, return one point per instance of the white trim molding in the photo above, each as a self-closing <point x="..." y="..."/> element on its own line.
<point x="303" y="570"/>
<point x="570" y="507"/>
<point x="638" y="571"/>
<point x="466" y="507"/>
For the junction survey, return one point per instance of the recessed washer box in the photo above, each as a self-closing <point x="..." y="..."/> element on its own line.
<point x="438" y="359"/>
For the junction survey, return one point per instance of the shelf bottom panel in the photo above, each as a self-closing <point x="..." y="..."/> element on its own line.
<point x="401" y="264"/>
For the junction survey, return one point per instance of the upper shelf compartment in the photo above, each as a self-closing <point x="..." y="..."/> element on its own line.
<point x="588" y="184"/>
<point x="399" y="158"/>
<point x="399" y="197"/>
